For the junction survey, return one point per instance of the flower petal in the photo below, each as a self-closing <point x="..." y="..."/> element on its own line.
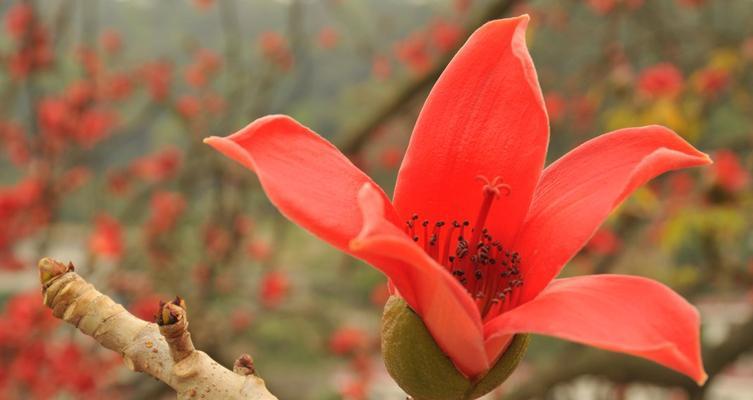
<point x="485" y="116"/>
<point x="306" y="177"/>
<point x="627" y="314"/>
<point x="444" y="306"/>
<point x="578" y="191"/>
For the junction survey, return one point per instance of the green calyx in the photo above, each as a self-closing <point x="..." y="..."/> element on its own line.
<point x="420" y="367"/>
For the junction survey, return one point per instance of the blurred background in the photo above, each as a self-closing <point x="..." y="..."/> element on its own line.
<point x="103" y="105"/>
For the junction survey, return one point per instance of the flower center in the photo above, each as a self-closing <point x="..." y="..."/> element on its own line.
<point x="489" y="271"/>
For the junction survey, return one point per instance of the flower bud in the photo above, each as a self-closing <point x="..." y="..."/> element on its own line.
<point x="421" y="368"/>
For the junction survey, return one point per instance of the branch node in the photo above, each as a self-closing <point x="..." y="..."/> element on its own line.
<point x="173" y="325"/>
<point x="50" y="269"/>
<point x="244" y="365"/>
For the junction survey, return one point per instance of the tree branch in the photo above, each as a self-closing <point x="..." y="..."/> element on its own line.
<point x="165" y="352"/>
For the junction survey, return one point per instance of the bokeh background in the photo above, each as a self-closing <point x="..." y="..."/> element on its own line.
<point x="103" y="105"/>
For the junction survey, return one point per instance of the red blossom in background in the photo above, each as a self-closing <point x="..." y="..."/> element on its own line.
<point x="445" y="35"/>
<point x="259" y="249"/>
<point x="241" y="319"/>
<point x="107" y="238"/>
<point x="217" y="240"/>
<point x="728" y="172"/>
<point x="274" y="288"/>
<point x="681" y="185"/>
<point x="712" y="81"/>
<point x="32" y="45"/>
<point x="583" y="111"/>
<point x="111" y="41"/>
<point x="157" y="77"/>
<point x="275" y="48"/>
<point x="347" y="340"/>
<point x="390" y="157"/>
<point x="17" y="146"/>
<point x="166" y="208"/>
<point x="146" y="307"/>
<point x="413" y="52"/>
<point x="328" y="38"/>
<point x="188" y="106"/>
<point x="157" y="167"/>
<point x="18" y="20"/>
<point x="555" y="106"/>
<point x="379" y="295"/>
<point x="481" y="140"/>
<point x="117" y="86"/>
<point x="660" y="81"/>
<point x="604" y="242"/>
<point x="203" y="5"/>
<point x="35" y="365"/>
<point x="22" y="212"/>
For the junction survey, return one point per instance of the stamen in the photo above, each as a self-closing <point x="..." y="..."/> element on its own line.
<point x="489" y="272"/>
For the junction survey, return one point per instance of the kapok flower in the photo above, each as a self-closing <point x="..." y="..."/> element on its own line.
<point x="478" y="229"/>
<point x="660" y="81"/>
<point x="274" y="288"/>
<point x="107" y="238"/>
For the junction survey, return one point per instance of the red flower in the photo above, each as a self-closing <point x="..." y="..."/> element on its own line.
<point x="274" y="288"/>
<point x="712" y="81"/>
<point x="445" y="34"/>
<point x="241" y="319"/>
<point x="347" y="340"/>
<point x="328" y="38"/>
<point x="111" y="41"/>
<point x="157" y="76"/>
<point x="555" y="105"/>
<point x="157" y="167"/>
<point x="413" y="51"/>
<point x="18" y="18"/>
<point x="604" y="241"/>
<point x="275" y="48"/>
<point x="188" y="106"/>
<point x="203" y="4"/>
<point x="390" y="157"/>
<point x="259" y="250"/>
<point x="728" y="172"/>
<point x="107" y="238"/>
<point x="473" y="254"/>
<point x="380" y="294"/>
<point x="166" y="208"/>
<point x="146" y="307"/>
<point x="661" y="80"/>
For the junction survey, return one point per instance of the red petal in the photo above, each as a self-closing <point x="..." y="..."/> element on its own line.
<point x="578" y="191"/>
<point x="444" y="306"/>
<point x="306" y="177"/>
<point x="484" y="116"/>
<point x="620" y="313"/>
